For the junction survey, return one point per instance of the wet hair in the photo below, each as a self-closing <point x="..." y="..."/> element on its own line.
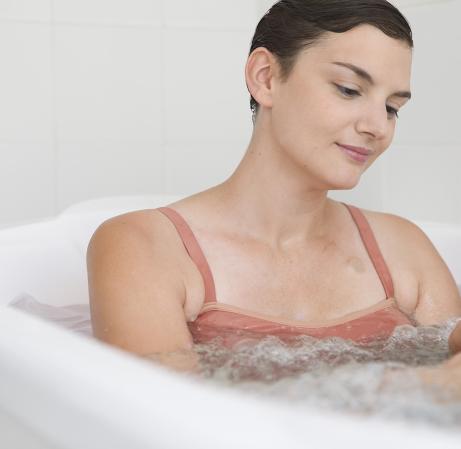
<point x="291" y="26"/>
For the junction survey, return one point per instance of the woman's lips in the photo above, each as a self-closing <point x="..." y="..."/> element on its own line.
<point x="356" y="156"/>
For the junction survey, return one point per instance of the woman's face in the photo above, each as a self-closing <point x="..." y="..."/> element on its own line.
<point x="325" y="103"/>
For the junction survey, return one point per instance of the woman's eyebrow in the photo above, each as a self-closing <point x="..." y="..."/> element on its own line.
<point x="368" y="78"/>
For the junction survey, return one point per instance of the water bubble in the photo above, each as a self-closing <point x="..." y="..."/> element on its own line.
<point x="339" y="374"/>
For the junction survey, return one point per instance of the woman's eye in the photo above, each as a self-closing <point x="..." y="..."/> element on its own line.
<point x="353" y="93"/>
<point x="346" y="91"/>
<point x="392" y="111"/>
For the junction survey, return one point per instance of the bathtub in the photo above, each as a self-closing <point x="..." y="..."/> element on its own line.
<point x="62" y="390"/>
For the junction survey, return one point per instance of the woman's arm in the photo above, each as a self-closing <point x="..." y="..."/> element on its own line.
<point x="438" y="294"/>
<point x="438" y="297"/>
<point x="444" y="380"/>
<point x="454" y="340"/>
<point x="186" y="361"/>
<point x="445" y="377"/>
<point x="137" y="293"/>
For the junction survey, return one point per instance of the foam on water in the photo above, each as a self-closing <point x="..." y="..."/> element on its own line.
<point x="331" y="374"/>
<point x="337" y="375"/>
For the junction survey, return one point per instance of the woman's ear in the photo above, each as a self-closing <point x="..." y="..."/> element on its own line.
<point x="259" y="75"/>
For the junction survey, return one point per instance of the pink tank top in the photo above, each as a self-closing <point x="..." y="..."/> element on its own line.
<point x="235" y="324"/>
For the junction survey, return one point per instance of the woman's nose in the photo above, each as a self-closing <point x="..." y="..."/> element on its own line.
<point x="374" y="121"/>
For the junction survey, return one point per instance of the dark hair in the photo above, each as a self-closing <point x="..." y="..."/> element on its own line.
<point x="293" y="25"/>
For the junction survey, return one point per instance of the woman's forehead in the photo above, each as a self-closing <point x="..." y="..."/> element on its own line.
<point x="361" y="40"/>
<point x="365" y="52"/>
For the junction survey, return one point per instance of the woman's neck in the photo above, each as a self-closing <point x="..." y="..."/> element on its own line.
<point x="272" y="198"/>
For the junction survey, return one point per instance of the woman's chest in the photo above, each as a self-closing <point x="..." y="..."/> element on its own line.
<point x="321" y="282"/>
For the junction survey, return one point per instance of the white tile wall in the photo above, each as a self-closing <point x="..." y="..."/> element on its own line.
<point x="109" y="12"/>
<point x="93" y="169"/>
<point x="432" y="115"/>
<point x="106" y="97"/>
<point x="210" y="14"/>
<point x="26" y="110"/>
<point x="263" y="6"/>
<point x="423" y="182"/>
<point x="29" y="10"/>
<point x="192" y="167"/>
<point x="27" y="182"/>
<point x="206" y="96"/>
<point x="108" y="83"/>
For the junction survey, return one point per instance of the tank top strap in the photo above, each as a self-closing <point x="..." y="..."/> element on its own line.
<point x="193" y="249"/>
<point x="373" y="250"/>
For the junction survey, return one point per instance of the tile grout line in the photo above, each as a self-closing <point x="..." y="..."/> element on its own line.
<point x="163" y="75"/>
<point x="122" y="24"/>
<point x="54" y="109"/>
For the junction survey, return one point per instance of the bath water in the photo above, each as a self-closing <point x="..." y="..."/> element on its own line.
<point x="335" y="374"/>
<point x="329" y="374"/>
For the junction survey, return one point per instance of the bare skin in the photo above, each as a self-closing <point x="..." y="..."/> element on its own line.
<point x="446" y="377"/>
<point x="184" y="361"/>
<point x="273" y="215"/>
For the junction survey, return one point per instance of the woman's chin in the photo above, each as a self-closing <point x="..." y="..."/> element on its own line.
<point x="345" y="183"/>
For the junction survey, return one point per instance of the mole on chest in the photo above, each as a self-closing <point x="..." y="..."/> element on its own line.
<point x="356" y="264"/>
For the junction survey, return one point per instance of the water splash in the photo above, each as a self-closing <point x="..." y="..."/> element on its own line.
<point x="331" y="374"/>
<point x="336" y="374"/>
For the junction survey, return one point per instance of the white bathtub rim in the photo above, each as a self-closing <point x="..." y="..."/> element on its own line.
<point x="120" y="202"/>
<point x="101" y="365"/>
<point x="263" y="423"/>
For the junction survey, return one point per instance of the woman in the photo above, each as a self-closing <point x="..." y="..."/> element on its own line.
<point x="267" y="250"/>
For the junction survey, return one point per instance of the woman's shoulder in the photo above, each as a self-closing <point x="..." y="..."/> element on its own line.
<point x="152" y="233"/>
<point x="394" y="230"/>
<point x="140" y="219"/>
<point x="438" y="295"/>
<point x="154" y="230"/>
<point x="135" y="270"/>
<point x="403" y="241"/>
<point x="147" y="229"/>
